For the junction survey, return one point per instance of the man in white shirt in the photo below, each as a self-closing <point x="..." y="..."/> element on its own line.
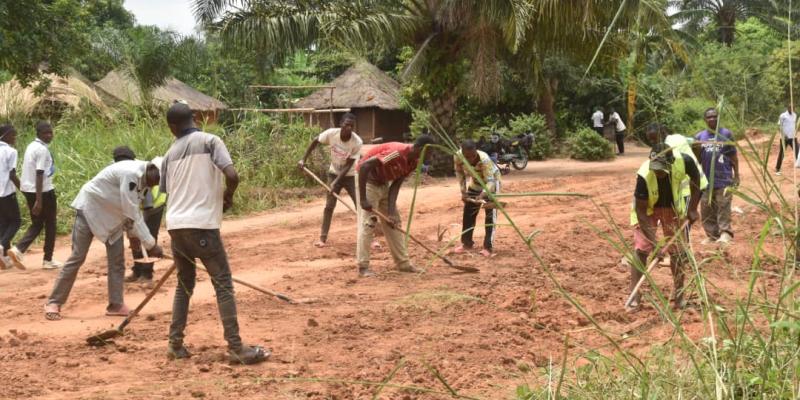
<point x="345" y="148"/>
<point x="36" y="184"/>
<point x="597" y="121"/>
<point x="105" y="208"/>
<point x="10" y="220"/>
<point x="787" y="123"/>
<point x="619" y="131"/>
<point x="193" y="171"/>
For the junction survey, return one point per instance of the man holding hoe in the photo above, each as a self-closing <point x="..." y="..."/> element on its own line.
<point x="658" y="198"/>
<point x="105" y="207"/>
<point x="380" y="173"/>
<point x="199" y="177"/>
<point x="345" y="148"/>
<point x="473" y="195"/>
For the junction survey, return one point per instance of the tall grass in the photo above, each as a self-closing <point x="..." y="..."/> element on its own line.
<point x="264" y="152"/>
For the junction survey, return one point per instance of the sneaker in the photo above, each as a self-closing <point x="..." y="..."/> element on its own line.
<point x="248" y="355"/>
<point x="725" y="238"/>
<point x="16" y="257"/>
<point x="51" y="264"/>
<point x="365" y="272"/>
<point x="177" y="352"/>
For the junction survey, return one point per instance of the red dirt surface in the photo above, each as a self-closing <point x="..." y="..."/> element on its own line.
<point x="484" y="333"/>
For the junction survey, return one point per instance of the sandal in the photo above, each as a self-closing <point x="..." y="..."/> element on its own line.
<point x="120" y="310"/>
<point x="51" y="315"/>
<point x="487" y="253"/>
<point x="320" y="244"/>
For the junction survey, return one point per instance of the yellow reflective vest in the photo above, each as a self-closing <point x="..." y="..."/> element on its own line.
<point x="680" y="145"/>
<point x="677" y="175"/>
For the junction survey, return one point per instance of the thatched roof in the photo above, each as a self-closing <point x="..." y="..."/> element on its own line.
<point x="63" y="92"/>
<point x="362" y="85"/>
<point x="122" y="87"/>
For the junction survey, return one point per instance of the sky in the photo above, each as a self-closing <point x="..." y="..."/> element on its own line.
<point x="169" y="14"/>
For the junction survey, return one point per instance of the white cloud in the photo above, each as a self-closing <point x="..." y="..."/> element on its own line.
<point x="168" y="14"/>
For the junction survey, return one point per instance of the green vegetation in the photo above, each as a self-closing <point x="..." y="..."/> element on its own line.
<point x="264" y="150"/>
<point x="587" y="145"/>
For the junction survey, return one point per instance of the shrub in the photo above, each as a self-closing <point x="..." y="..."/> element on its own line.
<point x="534" y="123"/>
<point x="586" y="144"/>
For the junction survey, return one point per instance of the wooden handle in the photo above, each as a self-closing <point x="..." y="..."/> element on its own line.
<point x="147" y="298"/>
<point x="328" y="188"/>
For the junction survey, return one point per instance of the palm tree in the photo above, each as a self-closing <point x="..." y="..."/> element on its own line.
<point x="696" y="14"/>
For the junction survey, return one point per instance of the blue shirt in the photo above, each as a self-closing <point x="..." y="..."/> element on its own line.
<point x="720" y="152"/>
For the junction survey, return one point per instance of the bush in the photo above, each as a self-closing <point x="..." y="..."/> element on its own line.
<point x="534" y="123"/>
<point x="586" y="144"/>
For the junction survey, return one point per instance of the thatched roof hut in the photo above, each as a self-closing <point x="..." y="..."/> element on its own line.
<point x="121" y="87"/>
<point x="63" y="93"/>
<point x="370" y="94"/>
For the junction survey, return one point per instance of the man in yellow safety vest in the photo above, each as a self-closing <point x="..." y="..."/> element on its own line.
<point x="658" y="199"/>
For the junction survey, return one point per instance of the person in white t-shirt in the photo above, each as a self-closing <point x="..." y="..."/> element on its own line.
<point x="36" y="184"/>
<point x="619" y="131"/>
<point x="787" y="123"/>
<point x="597" y="121"/>
<point x="10" y="219"/>
<point x="345" y="146"/>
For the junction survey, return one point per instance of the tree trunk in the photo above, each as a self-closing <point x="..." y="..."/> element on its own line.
<point x="443" y="109"/>
<point x="633" y="85"/>
<point x="546" y="103"/>
<point x="727" y="25"/>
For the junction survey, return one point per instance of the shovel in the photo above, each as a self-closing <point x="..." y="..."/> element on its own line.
<point x="385" y="219"/>
<point x="101" y="339"/>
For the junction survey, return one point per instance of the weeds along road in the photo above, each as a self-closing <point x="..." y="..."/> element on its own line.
<point x="484" y="333"/>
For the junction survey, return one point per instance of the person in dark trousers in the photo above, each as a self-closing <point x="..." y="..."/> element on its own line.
<point x="489" y="174"/>
<point x="36" y="184"/>
<point x="199" y="177"/>
<point x="345" y="146"/>
<point x="152" y="210"/>
<point x="787" y="124"/>
<point x="619" y="131"/>
<point x="10" y="219"/>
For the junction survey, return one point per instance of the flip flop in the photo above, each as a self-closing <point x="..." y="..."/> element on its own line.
<point x="52" y="315"/>
<point x="123" y="311"/>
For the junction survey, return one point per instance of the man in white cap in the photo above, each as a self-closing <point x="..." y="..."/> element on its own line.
<point x="106" y="207"/>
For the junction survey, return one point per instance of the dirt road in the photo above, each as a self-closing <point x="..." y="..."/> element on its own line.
<point x="484" y="333"/>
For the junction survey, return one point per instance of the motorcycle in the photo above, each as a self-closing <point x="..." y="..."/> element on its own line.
<point x="508" y="153"/>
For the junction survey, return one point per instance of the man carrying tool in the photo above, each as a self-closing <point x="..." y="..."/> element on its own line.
<point x="380" y="173"/>
<point x="345" y="147"/>
<point x="717" y="154"/>
<point x="105" y="207"/>
<point x="193" y="171"/>
<point x="474" y="195"/>
<point x="153" y="210"/>
<point x="657" y="198"/>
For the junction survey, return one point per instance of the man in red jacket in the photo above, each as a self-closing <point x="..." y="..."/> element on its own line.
<point x="380" y="173"/>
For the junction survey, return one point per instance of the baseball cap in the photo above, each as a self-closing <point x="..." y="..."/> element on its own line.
<point x="661" y="158"/>
<point x="123" y="153"/>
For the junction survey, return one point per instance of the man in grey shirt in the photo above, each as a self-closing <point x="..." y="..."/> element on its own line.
<point x="193" y="171"/>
